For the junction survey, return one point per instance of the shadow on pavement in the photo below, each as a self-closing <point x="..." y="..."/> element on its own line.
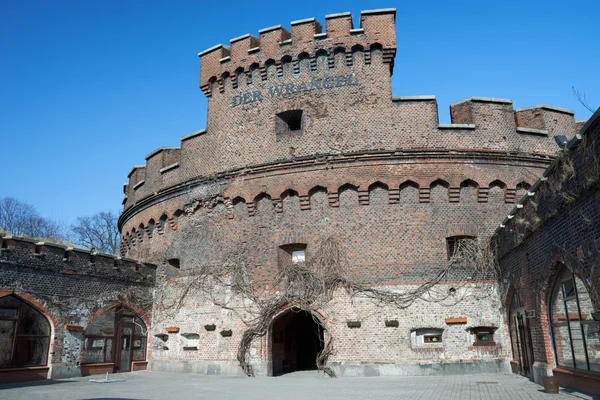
<point x="45" y="382"/>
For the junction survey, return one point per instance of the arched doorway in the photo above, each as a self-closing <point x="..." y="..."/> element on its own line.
<point x="115" y="341"/>
<point x="520" y="337"/>
<point x="296" y="340"/>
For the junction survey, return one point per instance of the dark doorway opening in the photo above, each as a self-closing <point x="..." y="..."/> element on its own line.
<point x="296" y="340"/>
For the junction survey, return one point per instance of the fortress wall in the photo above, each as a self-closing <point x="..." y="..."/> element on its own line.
<point x="421" y="204"/>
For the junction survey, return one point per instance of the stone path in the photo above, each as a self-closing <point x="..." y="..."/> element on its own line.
<point x="164" y="386"/>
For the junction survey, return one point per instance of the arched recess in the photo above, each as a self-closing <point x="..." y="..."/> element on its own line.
<point x="163" y="224"/>
<point x="439" y="191"/>
<point x="254" y="73"/>
<point x="286" y="65"/>
<point x="240" y="77"/>
<point x="318" y="198"/>
<point x="348" y="195"/>
<point x="409" y="193"/>
<point x="303" y="62"/>
<point x="339" y="56"/>
<point x="115" y="341"/>
<point x="270" y="68"/>
<point x="240" y="210"/>
<point x="358" y="54"/>
<point x="321" y="60"/>
<point x="226" y="81"/>
<point x="264" y="205"/>
<point x="24" y="335"/>
<point x="468" y="191"/>
<point x="378" y="194"/>
<point x="496" y="192"/>
<point x="296" y="337"/>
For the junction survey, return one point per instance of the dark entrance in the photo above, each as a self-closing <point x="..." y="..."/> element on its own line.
<point x="296" y="340"/>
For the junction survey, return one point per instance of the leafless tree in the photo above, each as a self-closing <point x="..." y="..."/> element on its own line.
<point x="583" y="100"/>
<point x="20" y="218"/>
<point x="98" y="231"/>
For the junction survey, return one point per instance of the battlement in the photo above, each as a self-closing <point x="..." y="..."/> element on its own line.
<point x="479" y="124"/>
<point x="42" y="255"/>
<point x="276" y="46"/>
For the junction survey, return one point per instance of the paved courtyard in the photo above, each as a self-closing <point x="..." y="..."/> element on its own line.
<point x="163" y="386"/>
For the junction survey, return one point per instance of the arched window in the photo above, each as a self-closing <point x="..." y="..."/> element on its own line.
<point x="24" y="334"/>
<point x="575" y="334"/>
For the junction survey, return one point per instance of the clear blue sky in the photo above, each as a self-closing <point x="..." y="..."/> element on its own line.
<point x="90" y="87"/>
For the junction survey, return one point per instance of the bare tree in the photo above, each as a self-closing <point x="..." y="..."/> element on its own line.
<point x="20" y="218"/>
<point x="583" y="100"/>
<point x="98" y="231"/>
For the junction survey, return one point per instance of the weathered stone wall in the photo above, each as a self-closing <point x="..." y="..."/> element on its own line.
<point x="71" y="287"/>
<point x="371" y="349"/>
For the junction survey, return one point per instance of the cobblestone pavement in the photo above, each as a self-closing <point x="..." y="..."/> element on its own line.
<point x="163" y="386"/>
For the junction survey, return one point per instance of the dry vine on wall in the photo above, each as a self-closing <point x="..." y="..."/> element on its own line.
<point x="308" y="286"/>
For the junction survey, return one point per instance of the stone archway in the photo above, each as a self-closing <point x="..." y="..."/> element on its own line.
<point x="296" y="340"/>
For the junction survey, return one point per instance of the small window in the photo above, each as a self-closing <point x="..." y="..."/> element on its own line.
<point x="292" y="254"/>
<point x="427" y="337"/>
<point x="484" y="336"/>
<point x="453" y="243"/>
<point x="289" y="121"/>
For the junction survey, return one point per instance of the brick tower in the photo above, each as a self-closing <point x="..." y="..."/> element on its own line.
<point x="304" y="140"/>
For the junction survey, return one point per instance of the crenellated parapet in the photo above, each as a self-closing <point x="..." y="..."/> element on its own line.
<point x="277" y="46"/>
<point x="31" y="253"/>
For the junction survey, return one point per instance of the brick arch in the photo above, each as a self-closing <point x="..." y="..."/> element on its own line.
<point x="303" y="62"/>
<point x="53" y="320"/>
<point x="261" y="195"/>
<point x="288" y="192"/>
<point x="339" y="56"/>
<point x="514" y="287"/>
<point x="290" y="306"/>
<point x="239" y="72"/>
<point x="138" y="311"/>
<point x="440" y="181"/>
<point x="317" y="191"/>
<point x="558" y="259"/>
<point x="469" y="184"/>
<point x="267" y="65"/>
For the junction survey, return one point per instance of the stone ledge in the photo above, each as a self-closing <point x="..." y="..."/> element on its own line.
<point x="379" y="11"/>
<point x="483" y="100"/>
<point x="168" y="168"/>
<point x="456" y="126"/>
<point x="413" y="98"/>
<point x="270" y="28"/>
<point x="337" y="15"/>
<point x="302" y="21"/>
<point x="192" y="135"/>
<point x="211" y="49"/>
<point x="547" y="107"/>
<point x="542" y="132"/>
<point x="160" y="149"/>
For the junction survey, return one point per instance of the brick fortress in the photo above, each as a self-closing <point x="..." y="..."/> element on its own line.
<point x="305" y="140"/>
